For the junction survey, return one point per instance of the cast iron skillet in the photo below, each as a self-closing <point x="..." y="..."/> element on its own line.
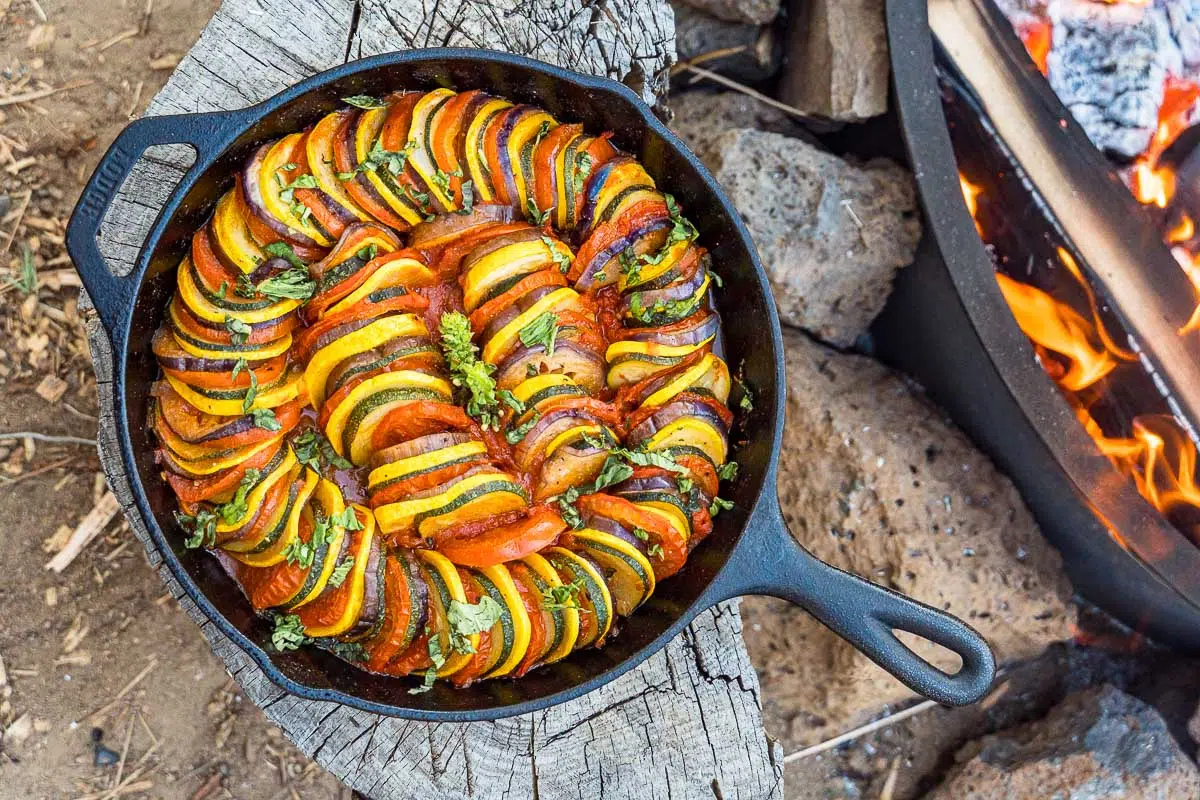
<point x="750" y="550"/>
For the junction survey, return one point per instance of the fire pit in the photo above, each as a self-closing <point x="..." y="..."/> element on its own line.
<point x="1066" y="346"/>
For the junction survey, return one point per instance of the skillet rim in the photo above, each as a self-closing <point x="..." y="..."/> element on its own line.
<point x="758" y="515"/>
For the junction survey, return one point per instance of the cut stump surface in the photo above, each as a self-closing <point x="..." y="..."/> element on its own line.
<point x="685" y="724"/>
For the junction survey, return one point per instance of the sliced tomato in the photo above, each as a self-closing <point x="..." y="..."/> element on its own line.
<point x="406" y="303"/>
<point x="447" y="260"/>
<point x="539" y="527"/>
<point x="718" y="408"/>
<point x="545" y="158"/>
<point x="605" y="234"/>
<point x="483" y="315"/>
<point x="268" y="587"/>
<point x="702" y="472"/>
<point x="395" y="492"/>
<point x="191" y="491"/>
<point x="417" y="419"/>
<point x="674" y="550"/>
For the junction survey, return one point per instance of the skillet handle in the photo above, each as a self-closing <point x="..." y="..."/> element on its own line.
<point x="769" y="561"/>
<point x="208" y="134"/>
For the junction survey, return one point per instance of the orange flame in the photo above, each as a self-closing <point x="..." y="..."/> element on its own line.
<point x="971" y="198"/>
<point x="1058" y="328"/>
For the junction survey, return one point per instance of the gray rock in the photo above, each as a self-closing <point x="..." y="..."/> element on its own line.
<point x="700" y="116"/>
<point x="831" y="234"/>
<point x="754" y="51"/>
<point x="837" y="59"/>
<point x="756" y="12"/>
<point x="1098" y="744"/>
<point x="1107" y="64"/>
<point x="874" y="480"/>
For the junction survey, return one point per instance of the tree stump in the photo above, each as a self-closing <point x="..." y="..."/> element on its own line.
<point x="685" y="724"/>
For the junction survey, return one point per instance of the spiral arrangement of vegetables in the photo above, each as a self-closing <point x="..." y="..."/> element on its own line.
<point x="439" y="387"/>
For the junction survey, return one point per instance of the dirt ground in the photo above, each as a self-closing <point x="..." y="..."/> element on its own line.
<point x="71" y="642"/>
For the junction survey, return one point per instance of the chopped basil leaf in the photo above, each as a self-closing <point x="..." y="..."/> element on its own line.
<point x="436" y="659"/>
<point x="241" y="365"/>
<point x="655" y="550"/>
<point x="284" y="250"/>
<point x="567" y="509"/>
<point x="469" y="373"/>
<point x="511" y="401"/>
<point x="288" y="633"/>
<point x="561" y="260"/>
<point x="347" y="519"/>
<point x="536" y="215"/>
<point x="613" y="472"/>
<point x="223" y="290"/>
<point x="515" y="435"/>
<point x="340" y="572"/>
<point x="239" y="332"/>
<point x="466" y="620"/>
<point x="244" y="287"/>
<point x="542" y="330"/>
<point x="468" y="197"/>
<point x="728" y="471"/>
<point x="236" y="508"/>
<point x="364" y="101"/>
<point x="719" y="505"/>
<point x="311" y="447"/>
<point x="265" y="418"/>
<point x="251" y="394"/>
<point x="558" y="598"/>
<point x="202" y="528"/>
<point x="642" y="534"/>
<point x="685" y="485"/>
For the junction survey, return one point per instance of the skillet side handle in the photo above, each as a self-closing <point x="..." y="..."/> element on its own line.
<point x="769" y="561"/>
<point x="113" y="296"/>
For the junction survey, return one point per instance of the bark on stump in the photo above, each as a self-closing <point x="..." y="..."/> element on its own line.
<point x="685" y="724"/>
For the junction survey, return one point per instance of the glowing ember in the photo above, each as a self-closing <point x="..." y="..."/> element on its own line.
<point x="1036" y="37"/>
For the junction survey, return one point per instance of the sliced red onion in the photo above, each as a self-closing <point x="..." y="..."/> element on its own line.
<point x="252" y="194"/>
<point x="582" y="365"/>
<point x="668" y="414"/>
<point x="704" y="326"/>
<point x="673" y="293"/>
<point x="605" y="260"/>
<point x="268" y="269"/>
<point x="428" y="443"/>
<point x="594" y="188"/>
<point x="446" y="227"/>
<point x="651" y="483"/>
<point x="442" y="487"/>
<point x="614" y="528"/>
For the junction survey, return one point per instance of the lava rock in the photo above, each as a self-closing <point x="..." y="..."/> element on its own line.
<point x="755" y="12"/>
<point x="837" y="59"/>
<point x="754" y="51"/>
<point x="1100" y="743"/>
<point x="831" y="234"/>
<point x="874" y="480"/>
<point x="700" y="116"/>
<point x="1108" y="64"/>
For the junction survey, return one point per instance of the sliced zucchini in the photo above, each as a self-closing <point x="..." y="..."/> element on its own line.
<point x="447" y="586"/>
<point x="271" y="548"/>
<point x="473" y="497"/>
<point x="510" y="634"/>
<point x="627" y="573"/>
<point x="595" y="602"/>
<point x="325" y="360"/>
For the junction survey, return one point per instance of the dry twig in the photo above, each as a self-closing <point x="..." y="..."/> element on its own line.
<point x="28" y="97"/>
<point x="746" y="90"/>
<point x="89" y="528"/>
<point x="46" y="437"/>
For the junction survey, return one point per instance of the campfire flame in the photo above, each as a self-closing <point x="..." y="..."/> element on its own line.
<point x="1078" y="354"/>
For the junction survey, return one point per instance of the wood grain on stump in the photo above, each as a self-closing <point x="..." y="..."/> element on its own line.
<point x="685" y="724"/>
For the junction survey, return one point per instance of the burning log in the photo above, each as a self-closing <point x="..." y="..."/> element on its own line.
<point x="1121" y="254"/>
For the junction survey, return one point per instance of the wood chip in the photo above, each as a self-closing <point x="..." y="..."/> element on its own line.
<point x="75" y="634"/>
<point x="91" y="525"/>
<point x="3" y="674"/>
<point x="40" y="38"/>
<point x="167" y="61"/>
<point x="80" y="659"/>
<point x="20" y="729"/>
<point x="52" y="595"/>
<point x="58" y="540"/>
<point x="51" y="389"/>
